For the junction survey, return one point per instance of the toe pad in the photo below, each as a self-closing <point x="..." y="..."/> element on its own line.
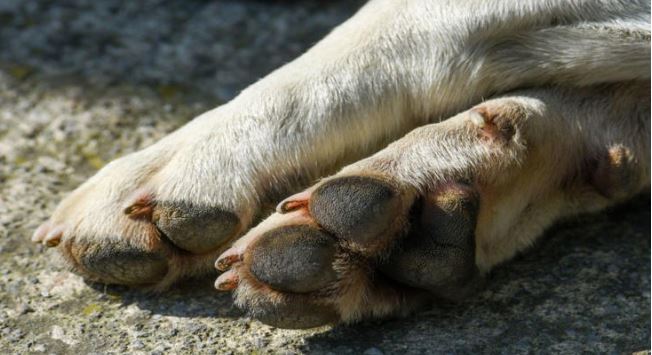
<point x="355" y="208"/>
<point x="294" y="259"/>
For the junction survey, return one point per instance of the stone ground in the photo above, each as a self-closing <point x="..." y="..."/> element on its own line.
<point x="82" y="82"/>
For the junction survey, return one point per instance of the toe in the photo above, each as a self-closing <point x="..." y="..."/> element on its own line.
<point x="357" y="208"/>
<point x="236" y="252"/>
<point x="192" y="227"/>
<point x="195" y="228"/>
<point x="293" y="259"/>
<point x="122" y="263"/>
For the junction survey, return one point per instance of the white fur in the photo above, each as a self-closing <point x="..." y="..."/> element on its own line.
<point x="394" y="66"/>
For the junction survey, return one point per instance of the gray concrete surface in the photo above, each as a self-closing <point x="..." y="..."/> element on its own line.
<point x="82" y="82"/>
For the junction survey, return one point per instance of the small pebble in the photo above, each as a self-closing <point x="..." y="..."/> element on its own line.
<point x="39" y="348"/>
<point x="23" y="308"/>
<point x="137" y="345"/>
<point x="258" y="342"/>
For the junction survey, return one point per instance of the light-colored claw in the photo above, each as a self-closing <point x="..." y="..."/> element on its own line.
<point x="295" y="201"/>
<point x="227" y="281"/>
<point x="53" y="238"/>
<point x="477" y="118"/>
<point x="227" y="259"/>
<point x="41" y="232"/>
<point x="141" y="206"/>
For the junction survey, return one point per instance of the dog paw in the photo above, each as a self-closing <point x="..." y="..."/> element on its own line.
<point x="354" y="247"/>
<point x="146" y="219"/>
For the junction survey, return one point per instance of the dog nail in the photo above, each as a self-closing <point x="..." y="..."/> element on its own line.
<point x="227" y="281"/>
<point x="53" y="237"/>
<point x="227" y="259"/>
<point x="41" y="232"/>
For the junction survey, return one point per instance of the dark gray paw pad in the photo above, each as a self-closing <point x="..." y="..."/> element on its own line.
<point x="294" y="259"/>
<point x="195" y="228"/>
<point x="355" y="208"/>
<point x="438" y="254"/>
<point x="124" y="264"/>
<point x="616" y="174"/>
<point x="293" y="314"/>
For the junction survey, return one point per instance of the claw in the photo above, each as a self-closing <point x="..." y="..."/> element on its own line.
<point x="41" y="232"/>
<point x="477" y="119"/>
<point x="227" y="259"/>
<point x="295" y="202"/>
<point x="227" y="281"/>
<point x="141" y="207"/>
<point x="53" y="237"/>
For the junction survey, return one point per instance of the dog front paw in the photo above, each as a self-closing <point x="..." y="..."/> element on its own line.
<point x="354" y="247"/>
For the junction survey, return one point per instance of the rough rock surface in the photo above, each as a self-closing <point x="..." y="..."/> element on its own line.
<point x="82" y="82"/>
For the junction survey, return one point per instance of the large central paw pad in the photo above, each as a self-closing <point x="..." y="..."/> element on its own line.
<point x="353" y="247"/>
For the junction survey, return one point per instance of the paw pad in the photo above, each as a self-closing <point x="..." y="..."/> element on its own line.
<point x="357" y="208"/>
<point x="293" y="259"/>
<point x="195" y="228"/>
